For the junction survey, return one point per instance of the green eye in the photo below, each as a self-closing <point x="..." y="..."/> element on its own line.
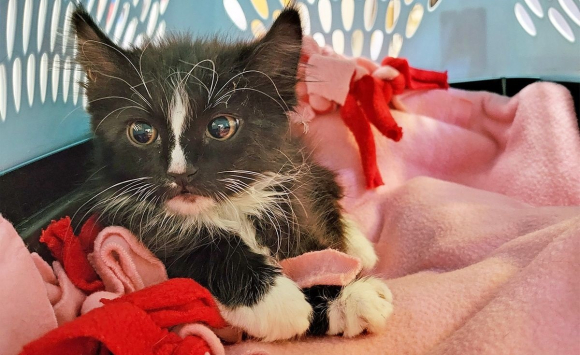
<point x="222" y="127"/>
<point x="141" y="133"/>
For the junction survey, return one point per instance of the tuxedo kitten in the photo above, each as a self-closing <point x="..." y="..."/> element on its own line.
<point x="193" y="155"/>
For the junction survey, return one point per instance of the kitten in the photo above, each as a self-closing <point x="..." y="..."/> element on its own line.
<point x="193" y="155"/>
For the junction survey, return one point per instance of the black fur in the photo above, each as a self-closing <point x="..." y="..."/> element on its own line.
<point x="131" y="185"/>
<point x="234" y="274"/>
<point x="319" y="297"/>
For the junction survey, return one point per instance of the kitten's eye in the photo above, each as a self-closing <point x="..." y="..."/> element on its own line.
<point x="141" y="133"/>
<point x="222" y="127"/>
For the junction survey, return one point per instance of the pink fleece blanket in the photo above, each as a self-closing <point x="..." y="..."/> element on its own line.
<point x="477" y="229"/>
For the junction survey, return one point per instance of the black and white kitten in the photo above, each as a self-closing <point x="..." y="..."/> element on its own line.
<point x="193" y="155"/>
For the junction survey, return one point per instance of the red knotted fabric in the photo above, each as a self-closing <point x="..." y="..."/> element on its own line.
<point x="368" y="103"/>
<point x="137" y="323"/>
<point x="71" y="251"/>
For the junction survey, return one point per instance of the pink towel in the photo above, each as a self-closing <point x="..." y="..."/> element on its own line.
<point x="325" y="267"/>
<point x="123" y="264"/>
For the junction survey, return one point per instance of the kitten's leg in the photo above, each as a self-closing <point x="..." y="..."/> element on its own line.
<point x="364" y="304"/>
<point x="357" y="244"/>
<point x="253" y="295"/>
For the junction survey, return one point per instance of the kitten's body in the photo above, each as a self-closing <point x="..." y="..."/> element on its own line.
<point x="221" y="211"/>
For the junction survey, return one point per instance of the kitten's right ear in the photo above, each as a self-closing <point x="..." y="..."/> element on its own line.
<point x="95" y="51"/>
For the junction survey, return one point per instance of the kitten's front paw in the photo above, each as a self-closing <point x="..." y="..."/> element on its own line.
<point x="362" y="305"/>
<point x="282" y="313"/>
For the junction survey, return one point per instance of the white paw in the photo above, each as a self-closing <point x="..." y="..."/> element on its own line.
<point x="282" y="313"/>
<point x="362" y="305"/>
<point x="358" y="245"/>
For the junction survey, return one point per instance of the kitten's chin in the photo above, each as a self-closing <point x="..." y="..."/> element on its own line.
<point x="189" y="205"/>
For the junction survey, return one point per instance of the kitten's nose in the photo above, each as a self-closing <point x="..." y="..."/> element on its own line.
<point x="184" y="178"/>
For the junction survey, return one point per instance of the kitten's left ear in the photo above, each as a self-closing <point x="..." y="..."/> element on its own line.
<point x="278" y="52"/>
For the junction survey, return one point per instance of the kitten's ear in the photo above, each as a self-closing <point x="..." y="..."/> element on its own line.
<point x="95" y="51"/>
<point x="278" y="52"/>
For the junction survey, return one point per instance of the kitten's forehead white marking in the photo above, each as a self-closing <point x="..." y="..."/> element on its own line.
<point x="177" y="115"/>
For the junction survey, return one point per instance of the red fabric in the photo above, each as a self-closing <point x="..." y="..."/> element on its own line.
<point x="137" y="324"/>
<point x="417" y="79"/>
<point x="355" y="120"/>
<point x="368" y="103"/>
<point x="88" y="234"/>
<point x="71" y="251"/>
<point x="374" y="96"/>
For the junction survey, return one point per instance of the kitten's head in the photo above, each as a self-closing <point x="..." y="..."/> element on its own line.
<point x="186" y="114"/>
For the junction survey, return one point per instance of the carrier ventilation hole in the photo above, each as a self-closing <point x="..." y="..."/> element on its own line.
<point x="325" y="14"/>
<point x="66" y="27"/>
<point x="261" y="7"/>
<point x="43" y="76"/>
<point x="145" y="9"/>
<point x="561" y="25"/>
<point x="41" y="22"/>
<point x="54" y="24"/>
<point x="392" y="16"/>
<point x="121" y="22"/>
<point x="11" y="17"/>
<point x="17" y="83"/>
<point x="524" y="19"/>
<point x="536" y="7"/>
<point x="258" y="29"/>
<point x="347" y="12"/>
<point x="26" y="24"/>
<point x="395" y="45"/>
<point x="370" y="14"/>
<point x="3" y="92"/>
<point x="376" y="44"/>
<point x="571" y="9"/>
<point x="77" y="84"/>
<point x="101" y="7"/>
<point x="130" y="33"/>
<point x="433" y="4"/>
<point x="30" y="78"/>
<point x="111" y="15"/>
<point x="338" y="41"/>
<point x="153" y="17"/>
<point x="236" y="14"/>
<point x="319" y="38"/>
<point x="160" y="32"/>
<point x="414" y="20"/>
<point x="90" y="5"/>
<point x="55" y="73"/>
<point x="163" y="6"/>
<point x="66" y="76"/>
<point x="357" y="43"/>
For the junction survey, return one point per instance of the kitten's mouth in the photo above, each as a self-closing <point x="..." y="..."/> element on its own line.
<point x="186" y="202"/>
<point x="186" y="196"/>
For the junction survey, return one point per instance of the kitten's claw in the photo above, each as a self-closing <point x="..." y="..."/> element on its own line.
<point x="362" y="305"/>
<point x="282" y="313"/>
